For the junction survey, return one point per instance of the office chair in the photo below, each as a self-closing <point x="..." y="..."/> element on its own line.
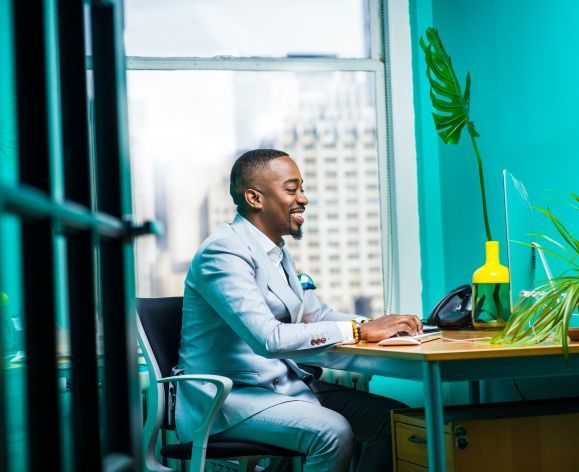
<point x="159" y="331"/>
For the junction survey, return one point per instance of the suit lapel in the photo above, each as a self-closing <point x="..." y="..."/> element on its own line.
<point x="275" y="281"/>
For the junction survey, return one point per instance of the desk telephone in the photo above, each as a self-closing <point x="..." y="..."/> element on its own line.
<point x="454" y="310"/>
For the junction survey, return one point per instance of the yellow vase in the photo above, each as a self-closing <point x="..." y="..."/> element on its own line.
<point x="491" y="306"/>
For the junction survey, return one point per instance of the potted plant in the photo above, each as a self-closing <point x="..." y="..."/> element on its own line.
<point x="549" y="307"/>
<point x="451" y="105"/>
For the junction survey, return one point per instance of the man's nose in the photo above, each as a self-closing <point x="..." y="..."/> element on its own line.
<point x="302" y="199"/>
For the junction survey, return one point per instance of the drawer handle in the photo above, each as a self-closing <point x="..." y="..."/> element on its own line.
<point x="413" y="439"/>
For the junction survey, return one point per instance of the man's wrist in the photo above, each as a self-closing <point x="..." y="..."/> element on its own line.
<point x="363" y="331"/>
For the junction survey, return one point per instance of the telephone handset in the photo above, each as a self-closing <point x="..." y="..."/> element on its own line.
<point x="454" y="310"/>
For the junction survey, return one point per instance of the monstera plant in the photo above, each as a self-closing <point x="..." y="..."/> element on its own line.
<point x="549" y="307"/>
<point x="451" y="114"/>
<point x="451" y="104"/>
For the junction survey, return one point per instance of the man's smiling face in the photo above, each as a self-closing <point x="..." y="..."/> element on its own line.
<point x="283" y="199"/>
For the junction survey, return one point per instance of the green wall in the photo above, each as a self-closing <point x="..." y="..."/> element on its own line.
<point x="523" y="56"/>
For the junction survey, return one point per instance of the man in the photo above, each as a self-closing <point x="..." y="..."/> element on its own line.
<point x="245" y="316"/>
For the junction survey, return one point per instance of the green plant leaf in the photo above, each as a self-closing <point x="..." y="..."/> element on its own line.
<point x="563" y="231"/>
<point x="450" y="103"/>
<point x="534" y="320"/>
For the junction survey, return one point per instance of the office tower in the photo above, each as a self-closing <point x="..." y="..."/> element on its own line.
<point x="333" y="139"/>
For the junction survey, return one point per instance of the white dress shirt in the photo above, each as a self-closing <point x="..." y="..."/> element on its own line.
<point x="275" y="255"/>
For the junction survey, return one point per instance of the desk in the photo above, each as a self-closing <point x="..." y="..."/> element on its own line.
<point x="442" y="360"/>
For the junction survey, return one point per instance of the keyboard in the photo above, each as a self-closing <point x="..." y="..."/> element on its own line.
<point x="410" y="340"/>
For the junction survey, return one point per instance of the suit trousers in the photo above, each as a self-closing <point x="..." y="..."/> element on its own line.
<point x="327" y="434"/>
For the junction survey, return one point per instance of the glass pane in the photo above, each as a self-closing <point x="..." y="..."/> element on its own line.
<point x="271" y="28"/>
<point x="188" y="127"/>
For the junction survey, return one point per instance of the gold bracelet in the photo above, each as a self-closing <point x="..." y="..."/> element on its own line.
<point x="356" y="331"/>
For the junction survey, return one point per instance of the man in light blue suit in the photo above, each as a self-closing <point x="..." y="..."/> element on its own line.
<point x="246" y="316"/>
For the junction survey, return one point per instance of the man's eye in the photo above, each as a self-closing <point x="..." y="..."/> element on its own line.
<point x="292" y="190"/>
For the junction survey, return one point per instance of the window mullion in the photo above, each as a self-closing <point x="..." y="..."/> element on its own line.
<point x="375" y="8"/>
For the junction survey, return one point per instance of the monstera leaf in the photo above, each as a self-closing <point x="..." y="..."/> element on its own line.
<point x="451" y="105"/>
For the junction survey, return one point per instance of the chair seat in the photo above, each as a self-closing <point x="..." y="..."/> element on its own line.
<point x="227" y="449"/>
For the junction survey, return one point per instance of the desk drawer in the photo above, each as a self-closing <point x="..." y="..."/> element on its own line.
<point x="411" y="444"/>
<point x="403" y="466"/>
<point x="503" y="437"/>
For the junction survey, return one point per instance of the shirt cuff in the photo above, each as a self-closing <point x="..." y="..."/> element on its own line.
<point x="347" y="331"/>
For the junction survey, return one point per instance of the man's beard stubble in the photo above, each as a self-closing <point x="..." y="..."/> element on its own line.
<point x="296" y="234"/>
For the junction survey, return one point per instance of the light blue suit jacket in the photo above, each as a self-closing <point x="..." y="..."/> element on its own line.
<point x="243" y="320"/>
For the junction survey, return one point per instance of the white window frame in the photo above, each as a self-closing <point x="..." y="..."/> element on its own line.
<point x="401" y="271"/>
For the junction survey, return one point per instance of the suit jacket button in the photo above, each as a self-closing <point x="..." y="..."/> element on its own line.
<point x="276" y="381"/>
<point x="313" y="342"/>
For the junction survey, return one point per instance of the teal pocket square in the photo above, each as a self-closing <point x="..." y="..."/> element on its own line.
<point x="306" y="281"/>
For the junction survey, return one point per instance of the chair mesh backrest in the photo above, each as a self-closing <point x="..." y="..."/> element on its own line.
<point x="161" y="320"/>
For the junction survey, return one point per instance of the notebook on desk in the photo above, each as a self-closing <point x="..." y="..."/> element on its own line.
<point x="410" y="340"/>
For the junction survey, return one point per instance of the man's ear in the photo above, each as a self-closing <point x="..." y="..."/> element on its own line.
<point x="253" y="199"/>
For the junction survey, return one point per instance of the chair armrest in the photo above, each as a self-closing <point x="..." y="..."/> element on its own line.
<point x="201" y="435"/>
<point x="223" y="384"/>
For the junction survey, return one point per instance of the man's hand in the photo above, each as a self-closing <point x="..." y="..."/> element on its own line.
<point x="389" y="325"/>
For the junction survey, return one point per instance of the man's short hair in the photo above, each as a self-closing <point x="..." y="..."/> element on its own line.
<point x="245" y="168"/>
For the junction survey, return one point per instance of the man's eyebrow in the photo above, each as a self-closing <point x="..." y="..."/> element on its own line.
<point x="292" y="181"/>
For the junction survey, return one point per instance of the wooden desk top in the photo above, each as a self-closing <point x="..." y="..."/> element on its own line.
<point x="456" y="345"/>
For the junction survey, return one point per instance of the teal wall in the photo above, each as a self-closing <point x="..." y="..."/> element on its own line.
<point x="523" y="56"/>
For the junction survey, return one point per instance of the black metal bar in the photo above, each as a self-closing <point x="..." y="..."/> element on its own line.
<point x="106" y="113"/>
<point x="117" y="390"/>
<point x="80" y="260"/>
<point x="44" y="423"/>
<point x="31" y="93"/>
<point x="37" y="249"/>
<point x="113" y="194"/>
<point x="74" y="101"/>
<point x="82" y="309"/>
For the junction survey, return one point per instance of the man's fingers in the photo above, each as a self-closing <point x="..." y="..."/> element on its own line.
<point x="414" y="321"/>
<point x="407" y="327"/>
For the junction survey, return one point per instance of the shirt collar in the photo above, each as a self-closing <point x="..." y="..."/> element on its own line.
<point x="265" y="243"/>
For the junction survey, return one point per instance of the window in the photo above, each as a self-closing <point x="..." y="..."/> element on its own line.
<point x="197" y="100"/>
<point x="174" y="28"/>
